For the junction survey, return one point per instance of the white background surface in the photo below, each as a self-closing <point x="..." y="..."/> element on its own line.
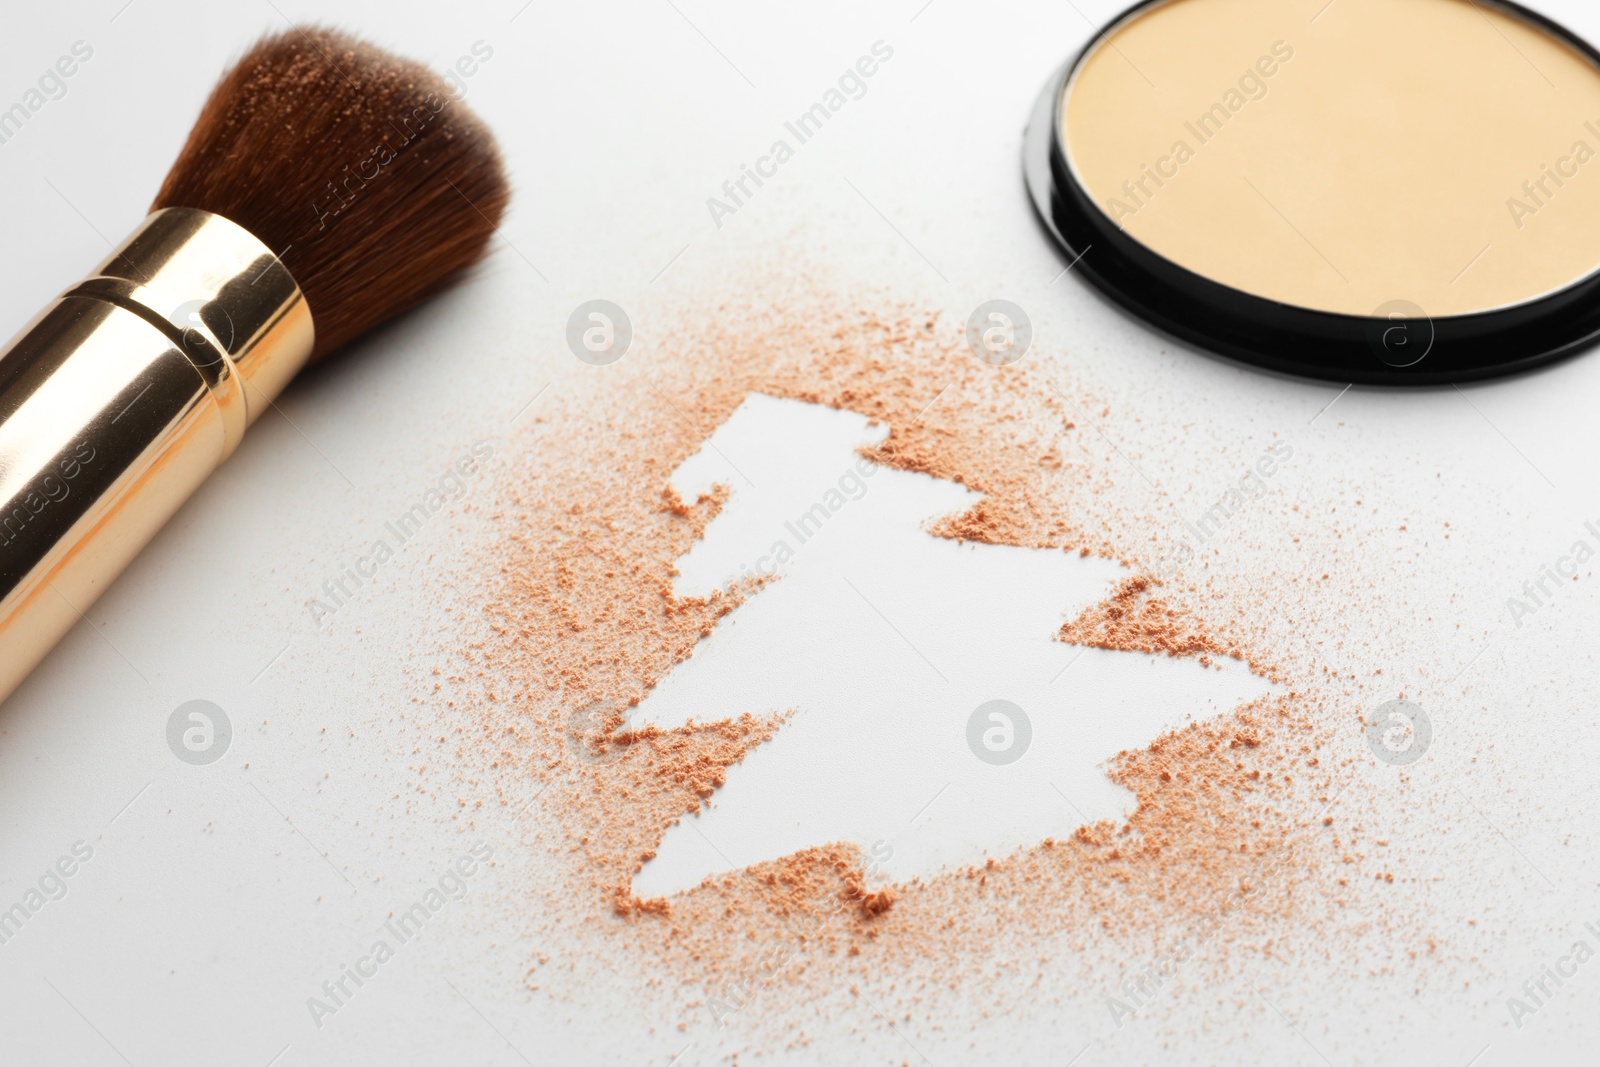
<point x="204" y="919"/>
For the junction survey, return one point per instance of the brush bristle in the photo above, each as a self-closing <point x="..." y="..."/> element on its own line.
<point x="357" y="167"/>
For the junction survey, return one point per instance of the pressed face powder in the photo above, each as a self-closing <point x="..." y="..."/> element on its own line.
<point x="1443" y="152"/>
<point x="1363" y="190"/>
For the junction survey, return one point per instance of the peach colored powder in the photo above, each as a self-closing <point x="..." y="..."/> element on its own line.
<point x="1226" y="843"/>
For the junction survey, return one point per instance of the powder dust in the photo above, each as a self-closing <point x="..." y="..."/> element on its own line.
<point x="1228" y="851"/>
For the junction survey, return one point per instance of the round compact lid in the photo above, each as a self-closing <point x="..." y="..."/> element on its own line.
<point x="1364" y="190"/>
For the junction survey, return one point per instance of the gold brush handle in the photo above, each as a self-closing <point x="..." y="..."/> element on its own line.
<point x="119" y="399"/>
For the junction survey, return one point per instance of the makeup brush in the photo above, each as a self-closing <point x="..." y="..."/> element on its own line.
<point x="326" y="187"/>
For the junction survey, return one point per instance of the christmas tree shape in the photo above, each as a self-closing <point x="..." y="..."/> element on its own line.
<point x="881" y="641"/>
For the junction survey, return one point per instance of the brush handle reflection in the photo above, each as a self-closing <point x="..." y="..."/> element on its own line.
<point x="117" y="402"/>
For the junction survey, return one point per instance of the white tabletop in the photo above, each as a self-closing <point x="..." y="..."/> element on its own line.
<point x="217" y="899"/>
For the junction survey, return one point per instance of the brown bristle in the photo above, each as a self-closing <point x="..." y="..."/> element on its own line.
<point x="357" y="167"/>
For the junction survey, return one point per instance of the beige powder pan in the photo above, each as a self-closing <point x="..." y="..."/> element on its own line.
<point x="1397" y="191"/>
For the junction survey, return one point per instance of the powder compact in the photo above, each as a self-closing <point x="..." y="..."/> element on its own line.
<point x="1380" y="191"/>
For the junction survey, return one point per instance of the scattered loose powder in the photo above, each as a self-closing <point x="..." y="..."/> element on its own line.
<point x="1135" y="620"/>
<point x="1228" y="849"/>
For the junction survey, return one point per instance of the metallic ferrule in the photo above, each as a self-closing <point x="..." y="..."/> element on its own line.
<point x="119" y="399"/>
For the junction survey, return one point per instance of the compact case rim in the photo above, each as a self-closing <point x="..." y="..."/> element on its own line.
<point x="1283" y="337"/>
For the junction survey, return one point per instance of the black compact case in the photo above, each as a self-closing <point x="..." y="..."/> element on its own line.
<point x="1399" y="344"/>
